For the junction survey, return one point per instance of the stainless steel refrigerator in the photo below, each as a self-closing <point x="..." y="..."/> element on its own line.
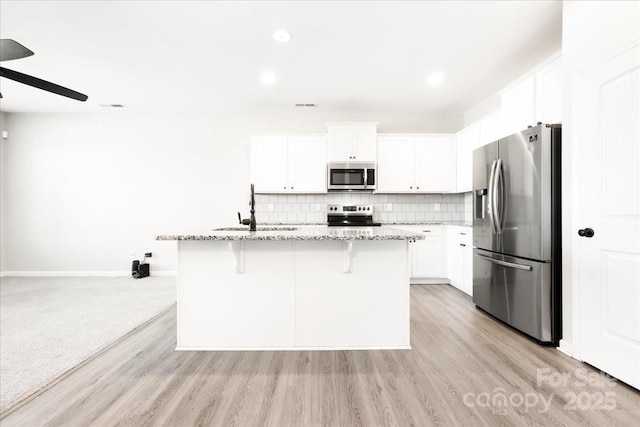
<point x="517" y="231"/>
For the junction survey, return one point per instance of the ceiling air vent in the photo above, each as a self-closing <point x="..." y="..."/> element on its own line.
<point x="306" y="105"/>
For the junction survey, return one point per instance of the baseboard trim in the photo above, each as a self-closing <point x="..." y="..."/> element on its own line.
<point x="117" y="273"/>
<point x="567" y="348"/>
<point x="429" y="281"/>
<point x="293" y="348"/>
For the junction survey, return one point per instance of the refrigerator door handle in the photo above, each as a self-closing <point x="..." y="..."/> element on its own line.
<point x="492" y="195"/>
<point x="500" y="196"/>
<point x="506" y="263"/>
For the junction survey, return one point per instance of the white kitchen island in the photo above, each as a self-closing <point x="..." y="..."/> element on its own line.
<point x="311" y="288"/>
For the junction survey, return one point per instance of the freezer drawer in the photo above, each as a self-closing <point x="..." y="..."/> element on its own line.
<point x="518" y="292"/>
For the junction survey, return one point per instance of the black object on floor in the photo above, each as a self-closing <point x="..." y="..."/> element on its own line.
<point x="138" y="270"/>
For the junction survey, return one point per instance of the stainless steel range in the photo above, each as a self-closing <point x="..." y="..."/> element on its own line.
<point x="351" y="215"/>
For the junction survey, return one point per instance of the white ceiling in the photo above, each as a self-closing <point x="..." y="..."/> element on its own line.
<point x="360" y="57"/>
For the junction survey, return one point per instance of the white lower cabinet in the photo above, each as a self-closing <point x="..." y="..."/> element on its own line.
<point x="460" y="257"/>
<point x="444" y="256"/>
<point x="428" y="258"/>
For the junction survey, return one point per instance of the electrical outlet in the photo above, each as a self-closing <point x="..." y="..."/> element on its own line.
<point x="436" y="207"/>
<point x="318" y="207"/>
<point x="270" y="208"/>
<point x="389" y="207"/>
<point x="132" y="254"/>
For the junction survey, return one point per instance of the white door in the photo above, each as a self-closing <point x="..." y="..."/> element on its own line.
<point x="307" y="164"/>
<point x="607" y="190"/>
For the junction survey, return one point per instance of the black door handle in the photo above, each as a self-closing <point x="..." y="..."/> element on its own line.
<point x="586" y="232"/>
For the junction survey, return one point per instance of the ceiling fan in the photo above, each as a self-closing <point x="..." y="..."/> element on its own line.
<point x="10" y="50"/>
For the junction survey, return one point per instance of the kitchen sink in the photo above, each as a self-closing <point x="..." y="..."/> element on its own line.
<point x="257" y="229"/>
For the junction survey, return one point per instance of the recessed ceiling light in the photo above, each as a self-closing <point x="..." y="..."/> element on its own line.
<point x="435" y="79"/>
<point x="281" y="36"/>
<point x="268" y="78"/>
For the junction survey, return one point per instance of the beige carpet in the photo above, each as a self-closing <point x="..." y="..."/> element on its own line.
<point x="48" y="325"/>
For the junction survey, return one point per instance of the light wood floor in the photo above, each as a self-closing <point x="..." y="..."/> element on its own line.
<point x="458" y="354"/>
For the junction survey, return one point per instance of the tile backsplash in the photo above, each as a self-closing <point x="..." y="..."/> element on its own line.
<point x="312" y="208"/>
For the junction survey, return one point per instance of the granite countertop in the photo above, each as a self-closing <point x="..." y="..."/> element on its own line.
<point x="291" y="224"/>
<point x="304" y="232"/>
<point x="457" y="223"/>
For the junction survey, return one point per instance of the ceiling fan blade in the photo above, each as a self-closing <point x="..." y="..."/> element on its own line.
<point x="11" y="49"/>
<point x="42" y="84"/>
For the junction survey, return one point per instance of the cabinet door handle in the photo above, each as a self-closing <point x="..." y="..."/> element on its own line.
<point x="464" y="234"/>
<point x="463" y="245"/>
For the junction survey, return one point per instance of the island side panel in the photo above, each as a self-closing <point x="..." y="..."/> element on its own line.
<point x="219" y="308"/>
<point x="367" y="307"/>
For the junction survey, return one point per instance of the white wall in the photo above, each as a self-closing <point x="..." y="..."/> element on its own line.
<point x="590" y="29"/>
<point x="84" y="189"/>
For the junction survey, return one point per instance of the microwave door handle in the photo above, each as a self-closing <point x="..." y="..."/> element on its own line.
<point x="365" y="178"/>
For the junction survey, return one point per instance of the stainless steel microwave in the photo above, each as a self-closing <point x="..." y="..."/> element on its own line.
<point x="351" y="176"/>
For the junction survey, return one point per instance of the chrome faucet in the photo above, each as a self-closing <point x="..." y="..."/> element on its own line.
<point x="251" y="222"/>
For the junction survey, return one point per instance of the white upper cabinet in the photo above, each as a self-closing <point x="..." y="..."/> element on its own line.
<point x="289" y="164"/>
<point x="549" y="93"/>
<point x="490" y="128"/>
<point x="307" y="164"/>
<point x="268" y="156"/>
<point x="435" y="163"/>
<point x="537" y="98"/>
<point x="349" y="142"/>
<point x="467" y="140"/>
<point x="396" y="164"/>
<point x="416" y="164"/>
<point x="519" y="106"/>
